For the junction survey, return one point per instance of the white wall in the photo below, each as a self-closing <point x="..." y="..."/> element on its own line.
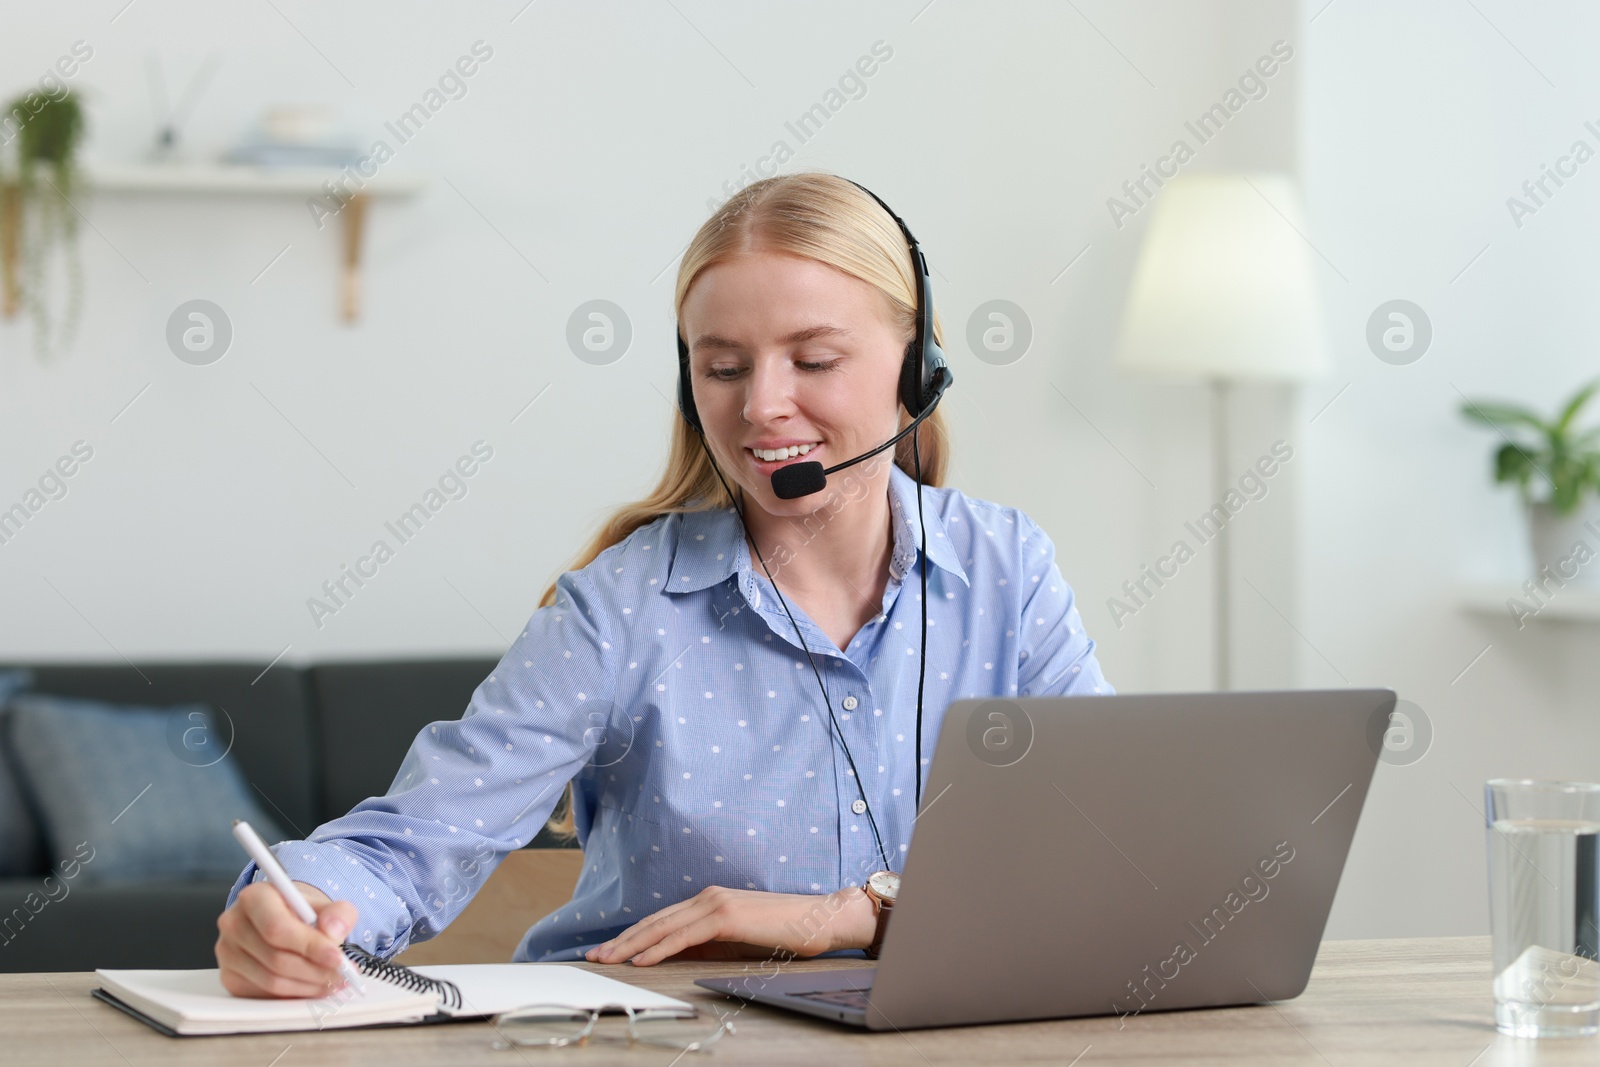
<point x="1420" y="120"/>
<point x="591" y="143"/>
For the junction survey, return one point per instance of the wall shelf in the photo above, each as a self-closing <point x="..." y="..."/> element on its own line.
<point x="226" y="179"/>
<point x="1572" y="604"/>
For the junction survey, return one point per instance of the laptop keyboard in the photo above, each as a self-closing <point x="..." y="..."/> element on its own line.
<point x="844" y="998"/>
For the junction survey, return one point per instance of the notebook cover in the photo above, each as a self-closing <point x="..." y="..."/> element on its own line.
<point x="163" y="1028"/>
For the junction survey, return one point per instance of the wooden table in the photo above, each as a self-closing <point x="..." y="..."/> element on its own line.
<point x="1421" y="1001"/>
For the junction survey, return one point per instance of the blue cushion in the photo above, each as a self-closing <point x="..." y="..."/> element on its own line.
<point x="13" y="682"/>
<point x="21" y="847"/>
<point x="152" y="791"/>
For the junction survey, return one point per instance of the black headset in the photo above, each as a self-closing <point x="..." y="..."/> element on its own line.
<point x="924" y="376"/>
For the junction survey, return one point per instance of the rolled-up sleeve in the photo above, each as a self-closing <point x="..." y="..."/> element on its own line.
<point x="472" y="789"/>
<point x="1056" y="656"/>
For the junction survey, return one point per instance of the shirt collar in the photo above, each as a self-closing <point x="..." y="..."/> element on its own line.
<point x="711" y="547"/>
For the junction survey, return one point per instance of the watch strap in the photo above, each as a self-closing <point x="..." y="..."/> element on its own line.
<point x="882" y="907"/>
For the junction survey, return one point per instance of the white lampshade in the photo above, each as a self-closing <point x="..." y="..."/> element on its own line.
<point x="1224" y="287"/>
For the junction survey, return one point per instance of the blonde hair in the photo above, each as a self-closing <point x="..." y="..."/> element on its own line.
<point x="819" y="217"/>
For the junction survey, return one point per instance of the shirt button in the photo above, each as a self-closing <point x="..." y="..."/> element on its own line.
<point x="850" y="705"/>
<point x="858" y="806"/>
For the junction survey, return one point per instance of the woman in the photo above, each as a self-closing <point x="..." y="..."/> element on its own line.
<point x="676" y="676"/>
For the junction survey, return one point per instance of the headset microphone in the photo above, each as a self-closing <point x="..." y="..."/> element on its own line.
<point x="802" y="479"/>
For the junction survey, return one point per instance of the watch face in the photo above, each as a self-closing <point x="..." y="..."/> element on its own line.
<point x="886" y="884"/>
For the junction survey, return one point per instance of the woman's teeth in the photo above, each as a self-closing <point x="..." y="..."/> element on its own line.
<point x="770" y="454"/>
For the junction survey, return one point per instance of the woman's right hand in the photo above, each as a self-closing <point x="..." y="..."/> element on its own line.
<point x="265" y="950"/>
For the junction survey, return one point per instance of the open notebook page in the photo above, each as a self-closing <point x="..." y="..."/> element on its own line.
<point x="492" y="988"/>
<point x="194" y="1002"/>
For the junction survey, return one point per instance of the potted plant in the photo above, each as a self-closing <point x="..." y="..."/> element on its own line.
<point x="36" y="215"/>
<point x="1557" y="471"/>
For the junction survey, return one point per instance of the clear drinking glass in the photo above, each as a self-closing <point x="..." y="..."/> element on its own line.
<point x="1544" y="906"/>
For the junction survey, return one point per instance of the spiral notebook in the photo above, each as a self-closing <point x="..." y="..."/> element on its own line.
<point x="185" y="1003"/>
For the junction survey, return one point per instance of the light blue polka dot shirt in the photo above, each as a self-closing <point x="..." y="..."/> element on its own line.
<point x="667" y="684"/>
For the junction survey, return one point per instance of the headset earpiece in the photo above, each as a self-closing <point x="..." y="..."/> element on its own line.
<point x="685" y="392"/>
<point x="919" y="371"/>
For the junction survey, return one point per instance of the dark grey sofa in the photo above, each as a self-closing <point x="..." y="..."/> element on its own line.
<point x="312" y="742"/>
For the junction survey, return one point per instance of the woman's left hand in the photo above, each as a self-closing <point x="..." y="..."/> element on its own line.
<point x="723" y="923"/>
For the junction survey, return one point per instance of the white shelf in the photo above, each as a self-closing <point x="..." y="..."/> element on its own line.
<point x="224" y="178"/>
<point x="1571" y="604"/>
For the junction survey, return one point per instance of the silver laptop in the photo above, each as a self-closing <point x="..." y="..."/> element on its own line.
<point x="1112" y="855"/>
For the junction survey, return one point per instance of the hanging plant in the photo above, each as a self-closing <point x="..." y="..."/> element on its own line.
<point x="36" y="218"/>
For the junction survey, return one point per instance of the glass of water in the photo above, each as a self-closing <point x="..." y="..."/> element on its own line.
<point x="1544" y="906"/>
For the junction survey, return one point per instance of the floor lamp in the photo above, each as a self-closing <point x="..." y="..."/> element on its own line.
<point x="1224" y="292"/>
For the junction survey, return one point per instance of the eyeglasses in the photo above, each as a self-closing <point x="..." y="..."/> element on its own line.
<point x="558" y="1025"/>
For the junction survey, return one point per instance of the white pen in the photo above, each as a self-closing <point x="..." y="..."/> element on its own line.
<point x="279" y="877"/>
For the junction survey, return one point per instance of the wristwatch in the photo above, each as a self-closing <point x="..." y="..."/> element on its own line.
<point x="882" y="888"/>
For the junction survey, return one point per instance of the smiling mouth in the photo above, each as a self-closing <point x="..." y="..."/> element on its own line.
<point x="780" y="455"/>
